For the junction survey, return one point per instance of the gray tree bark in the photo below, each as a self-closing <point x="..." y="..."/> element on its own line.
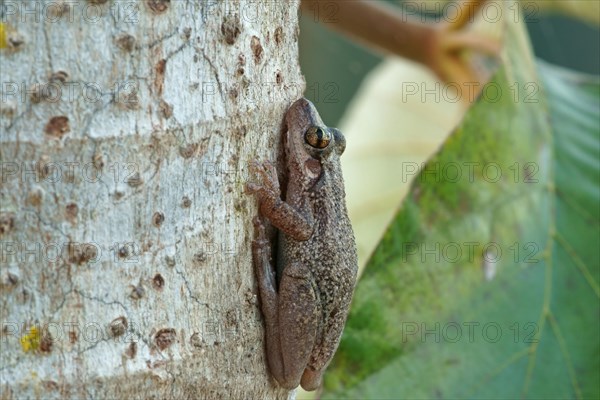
<point x="125" y="234"/>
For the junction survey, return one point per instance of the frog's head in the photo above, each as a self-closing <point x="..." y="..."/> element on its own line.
<point x="310" y="144"/>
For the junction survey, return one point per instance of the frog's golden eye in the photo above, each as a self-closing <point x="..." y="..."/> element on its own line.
<point x="317" y="137"/>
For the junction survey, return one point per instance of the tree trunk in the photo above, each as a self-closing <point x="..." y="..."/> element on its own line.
<point x="125" y="233"/>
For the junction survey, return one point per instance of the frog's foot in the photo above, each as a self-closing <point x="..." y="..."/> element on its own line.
<point x="261" y="241"/>
<point x="269" y="187"/>
<point x="265" y="274"/>
<point x="311" y="380"/>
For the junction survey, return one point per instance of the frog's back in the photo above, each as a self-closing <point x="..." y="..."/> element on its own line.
<point x="334" y="269"/>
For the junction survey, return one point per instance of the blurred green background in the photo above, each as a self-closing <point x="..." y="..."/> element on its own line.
<point x="558" y="132"/>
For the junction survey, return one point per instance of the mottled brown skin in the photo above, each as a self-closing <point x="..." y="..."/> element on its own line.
<point x="305" y="308"/>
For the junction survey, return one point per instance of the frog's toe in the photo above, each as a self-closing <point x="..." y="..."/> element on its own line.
<point x="311" y="380"/>
<point x="267" y="170"/>
<point x="270" y="168"/>
<point x="252" y="188"/>
<point x="253" y="166"/>
<point x="259" y="225"/>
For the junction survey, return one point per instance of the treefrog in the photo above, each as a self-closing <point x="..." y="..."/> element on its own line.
<point x="306" y="303"/>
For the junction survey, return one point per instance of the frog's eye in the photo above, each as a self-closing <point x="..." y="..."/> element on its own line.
<point x="317" y="137"/>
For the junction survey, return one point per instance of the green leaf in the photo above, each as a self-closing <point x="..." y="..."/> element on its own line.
<point x="487" y="286"/>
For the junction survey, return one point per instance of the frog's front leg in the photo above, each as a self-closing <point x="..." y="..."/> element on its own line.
<point x="291" y="314"/>
<point x="296" y="223"/>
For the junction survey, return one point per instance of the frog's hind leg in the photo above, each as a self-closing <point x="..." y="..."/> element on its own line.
<point x="290" y="315"/>
<point x="265" y="275"/>
<point x="298" y="321"/>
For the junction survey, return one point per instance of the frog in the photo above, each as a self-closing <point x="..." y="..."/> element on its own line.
<point x="305" y="294"/>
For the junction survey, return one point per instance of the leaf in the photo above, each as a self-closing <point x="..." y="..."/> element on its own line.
<point x="373" y="162"/>
<point x="398" y="119"/>
<point x="486" y="285"/>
